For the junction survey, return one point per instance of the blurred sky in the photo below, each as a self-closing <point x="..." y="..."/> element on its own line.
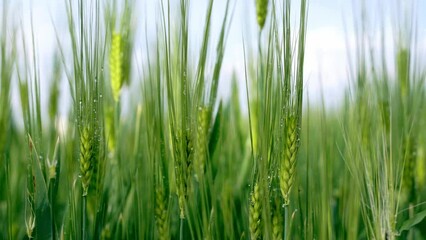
<point x="326" y="61"/>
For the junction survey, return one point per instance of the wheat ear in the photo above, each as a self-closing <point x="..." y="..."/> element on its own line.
<point x="261" y="12"/>
<point x="255" y="213"/>
<point x="116" y="64"/>
<point x="277" y="221"/>
<point x="287" y="168"/>
<point x="200" y="153"/>
<point x="161" y="216"/>
<point x="86" y="158"/>
<point x="410" y="157"/>
<point x="183" y="168"/>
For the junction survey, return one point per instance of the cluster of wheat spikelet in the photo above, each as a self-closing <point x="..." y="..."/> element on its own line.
<point x="277" y="220"/>
<point x="116" y="64"/>
<point x="161" y="215"/>
<point x="200" y="152"/>
<point x="183" y="167"/>
<point x="86" y="158"/>
<point x="261" y="11"/>
<point x="287" y="168"/>
<point x="255" y="213"/>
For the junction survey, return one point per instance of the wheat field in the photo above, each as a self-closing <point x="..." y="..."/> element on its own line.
<point x="135" y="139"/>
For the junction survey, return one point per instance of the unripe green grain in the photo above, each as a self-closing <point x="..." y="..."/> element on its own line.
<point x="420" y="169"/>
<point x="51" y="169"/>
<point x="161" y="216"/>
<point x="261" y="12"/>
<point x="86" y="158"/>
<point x="200" y="153"/>
<point x="110" y="129"/>
<point x="183" y="167"/>
<point x="255" y="213"/>
<point x="277" y="224"/>
<point x="116" y="64"/>
<point x="287" y="168"/>
<point x="403" y="58"/>
<point x="30" y="225"/>
<point x="410" y="157"/>
<point x="179" y="175"/>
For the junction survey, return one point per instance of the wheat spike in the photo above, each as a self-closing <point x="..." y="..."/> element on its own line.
<point x="255" y="213"/>
<point x="261" y="12"/>
<point x="403" y="59"/>
<point x="110" y="129"/>
<point x="200" y="153"/>
<point x="410" y="157"/>
<point x="116" y="64"/>
<point x="30" y="225"/>
<point x="179" y="174"/>
<point x="277" y="229"/>
<point x="183" y="167"/>
<point x="86" y="158"/>
<point x="161" y="216"/>
<point x="420" y="167"/>
<point x="287" y="168"/>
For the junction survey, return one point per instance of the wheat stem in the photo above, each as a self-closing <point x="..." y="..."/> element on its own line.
<point x="286" y="225"/>
<point x="181" y="228"/>
<point x="83" y="218"/>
